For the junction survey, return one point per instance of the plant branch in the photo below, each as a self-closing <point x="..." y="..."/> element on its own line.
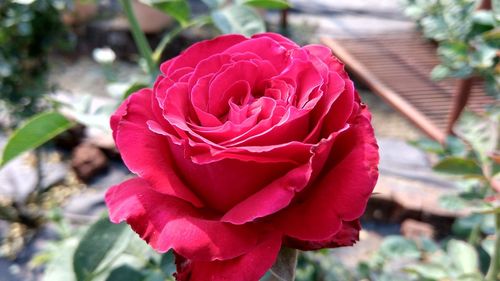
<point x="139" y="37"/>
<point x="167" y="38"/>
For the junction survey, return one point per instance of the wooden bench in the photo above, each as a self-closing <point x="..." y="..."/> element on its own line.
<point x="397" y="67"/>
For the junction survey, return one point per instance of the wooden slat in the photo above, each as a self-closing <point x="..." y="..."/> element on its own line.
<point x="397" y="68"/>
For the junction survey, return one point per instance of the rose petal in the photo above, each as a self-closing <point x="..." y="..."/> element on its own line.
<point x="325" y="55"/>
<point x="204" y="153"/>
<point x="278" y="38"/>
<point x="248" y="267"/>
<point x="118" y="115"/>
<point x="224" y="183"/>
<point x="341" y="193"/>
<point x="341" y="110"/>
<point x="144" y="152"/>
<point x="266" y="48"/>
<point x="293" y="125"/>
<point x="250" y="72"/>
<point x="199" y="51"/>
<point x="346" y="236"/>
<point x="166" y="222"/>
<point x="334" y="89"/>
<point x="278" y="194"/>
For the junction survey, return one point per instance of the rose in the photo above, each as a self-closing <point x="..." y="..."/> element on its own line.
<point x="242" y="146"/>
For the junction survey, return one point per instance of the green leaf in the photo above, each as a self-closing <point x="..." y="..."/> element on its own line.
<point x="35" y="132"/>
<point x="415" y="12"/>
<point x="428" y="271"/>
<point x="428" y="245"/>
<point x="452" y="202"/>
<point x="463" y="227"/>
<point x="471" y="277"/>
<point x="178" y="9"/>
<point x="134" y="88"/>
<point x="488" y="246"/>
<point x="156" y="276"/>
<point x="463" y="256"/>
<point x="496" y="11"/>
<point x="267" y="4"/>
<point x="492" y="38"/>
<point x="455" y="146"/>
<point x="440" y="72"/>
<point x="125" y="273"/>
<point x="167" y="263"/>
<point x="481" y="132"/>
<point x="428" y="145"/>
<point x="493" y="84"/>
<point x="483" y="17"/>
<point x="100" y="245"/>
<point x="59" y="268"/>
<point x="483" y="57"/>
<point x="454" y="56"/>
<point x="238" y="19"/>
<point x="395" y="247"/>
<point x="458" y="166"/>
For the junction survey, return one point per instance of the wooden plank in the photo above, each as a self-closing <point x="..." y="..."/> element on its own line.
<point x="385" y="91"/>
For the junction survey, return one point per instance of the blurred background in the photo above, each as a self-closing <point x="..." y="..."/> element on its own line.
<point x="428" y="69"/>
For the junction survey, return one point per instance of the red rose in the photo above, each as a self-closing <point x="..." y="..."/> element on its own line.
<point x="241" y="146"/>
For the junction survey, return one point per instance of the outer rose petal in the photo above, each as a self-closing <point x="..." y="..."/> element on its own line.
<point x="347" y="236"/>
<point x="341" y="193"/>
<point x="166" y="222"/>
<point x="248" y="267"/>
<point x="144" y="152"/>
<point x="201" y="50"/>
<point x="280" y="193"/>
<point x="225" y="183"/>
<point x="278" y="38"/>
<point x="325" y="54"/>
<point x="118" y="115"/>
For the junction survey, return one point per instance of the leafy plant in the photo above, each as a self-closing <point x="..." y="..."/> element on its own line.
<point x="476" y="167"/>
<point x="399" y="258"/>
<point x="34" y="133"/>
<point x="468" y="38"/>
<point x="102" y="252"/>
<point x="28" y="32"/>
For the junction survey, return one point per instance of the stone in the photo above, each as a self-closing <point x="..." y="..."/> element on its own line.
<point x="399" y="158"/>
<point x="415" y="195"/>
<point x="414" y="229"/>
<point x="20" y="269"/>
<point x="85" y="207"/>
<point x="87" y="161"/>
<point x="89" y="204"/>
<point x="117" y="173"/>
<point x="406" y="178"/>
<point x="398" y="153"/>
<point x="19" y="177"/>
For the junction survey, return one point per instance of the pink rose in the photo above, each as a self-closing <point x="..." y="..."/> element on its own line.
<point x="244" y="145"/>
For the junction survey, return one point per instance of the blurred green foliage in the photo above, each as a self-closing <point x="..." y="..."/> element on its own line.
<point x="29" y="30"/>
<point x="102" y="251"/>
<point x="468" y="39"/>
